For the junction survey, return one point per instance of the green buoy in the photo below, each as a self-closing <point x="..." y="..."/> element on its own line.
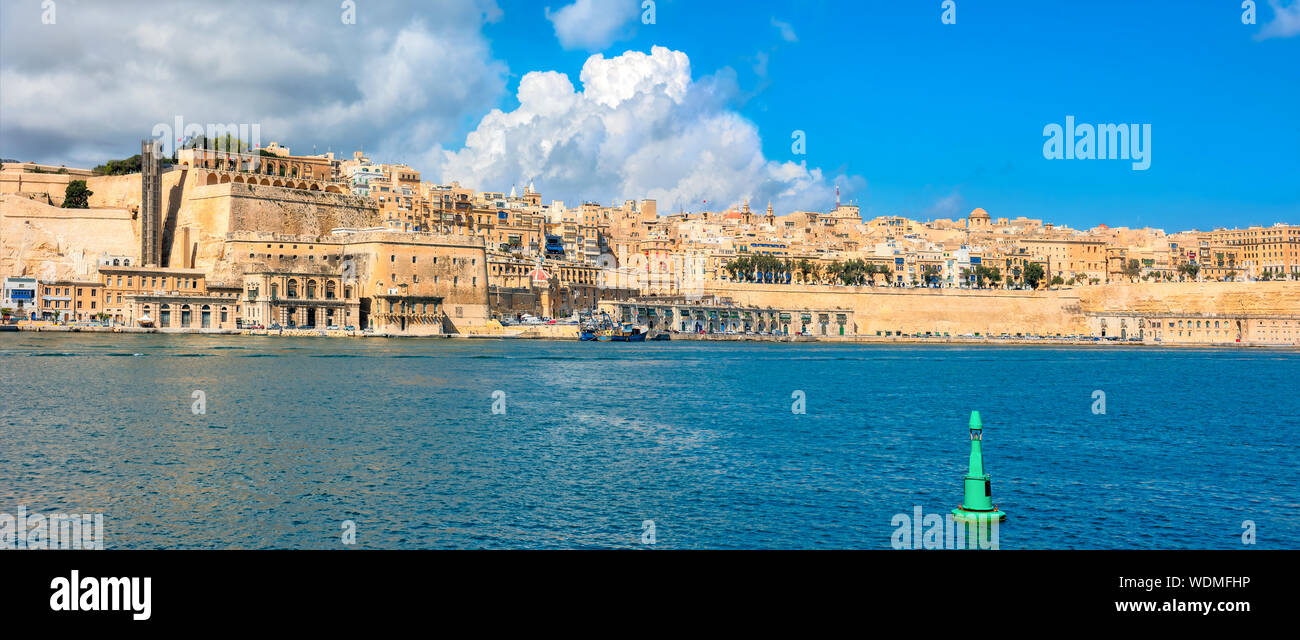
<point x="977" y="506"/>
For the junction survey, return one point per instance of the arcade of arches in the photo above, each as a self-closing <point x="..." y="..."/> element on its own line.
<point x="304" y="173"/>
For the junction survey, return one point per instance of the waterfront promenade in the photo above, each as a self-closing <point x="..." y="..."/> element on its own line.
<point x="568" y="332"/>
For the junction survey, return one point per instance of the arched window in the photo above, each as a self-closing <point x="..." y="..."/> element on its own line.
<point x="291" y="290"/>
<point x="311" y="289"/>
<point x="275" y="290"/>
<point x="329" y="290"/>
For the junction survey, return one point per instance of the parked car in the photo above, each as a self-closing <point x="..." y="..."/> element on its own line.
<point x="349" y="328"/>
<point x="333" y="327"/>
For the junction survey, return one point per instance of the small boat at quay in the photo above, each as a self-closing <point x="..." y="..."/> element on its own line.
<point x="622" y="333"/>
<point x="603" y="329"/>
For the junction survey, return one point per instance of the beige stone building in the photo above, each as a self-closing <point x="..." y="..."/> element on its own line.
<point x="408" y="283"/>
<point x="1271" y="250"/>
<point x="1069" y="257"/>
<point x="316" y="298"/>
<point x="70" y="300"/>
<point x="121" y="283"/>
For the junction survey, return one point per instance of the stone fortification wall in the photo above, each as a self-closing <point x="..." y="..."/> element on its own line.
<point x="47" y="242"/>
<point x="952" y="311"/>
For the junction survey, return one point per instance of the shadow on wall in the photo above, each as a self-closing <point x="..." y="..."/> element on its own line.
<point x="174" y="196"/>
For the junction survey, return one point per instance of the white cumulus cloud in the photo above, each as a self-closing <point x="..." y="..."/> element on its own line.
<point x="1286" y="20"/>
<point x="639" y="127"/>
<point x="592" y="24"/>
<point x="405" y="77"/>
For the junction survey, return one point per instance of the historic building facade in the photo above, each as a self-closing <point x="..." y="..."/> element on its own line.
<point x="317" y="298"/>
<point x="402" y="282"/>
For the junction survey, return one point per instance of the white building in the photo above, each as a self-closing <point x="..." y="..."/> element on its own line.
<point x="20" y="296"/>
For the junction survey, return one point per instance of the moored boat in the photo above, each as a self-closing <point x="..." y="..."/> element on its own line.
<point x="604" y="329"/>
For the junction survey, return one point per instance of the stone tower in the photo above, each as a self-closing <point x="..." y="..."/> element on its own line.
<point x="150" y="205"/>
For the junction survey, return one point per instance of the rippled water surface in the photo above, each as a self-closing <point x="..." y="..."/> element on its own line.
<point x="399" y="436"/>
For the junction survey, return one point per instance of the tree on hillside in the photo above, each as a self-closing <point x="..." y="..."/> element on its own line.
<point x="930" y="273"/>
<point x="228" y="143"/>
<point x="119" y="167"/>
<point x="805" y="269"/>
<point x="1034" y="274"/>
<point x="76" y="195"/>
<point x="1132" y="269"/>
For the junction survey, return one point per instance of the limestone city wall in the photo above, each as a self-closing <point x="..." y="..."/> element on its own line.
<point x="48" y="242"/>
<point x="952" y="311"/>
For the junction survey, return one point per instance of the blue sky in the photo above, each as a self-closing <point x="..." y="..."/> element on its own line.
<point x="938" y="118"/>
<point x="905" y="114"/>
